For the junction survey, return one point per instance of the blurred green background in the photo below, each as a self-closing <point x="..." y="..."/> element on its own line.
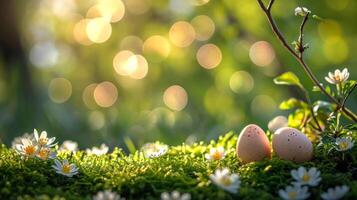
<point x="171" y="70"/>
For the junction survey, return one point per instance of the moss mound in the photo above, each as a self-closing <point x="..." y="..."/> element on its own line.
<point x="183" y="168"/>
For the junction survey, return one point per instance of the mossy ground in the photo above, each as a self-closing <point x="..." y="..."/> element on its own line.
<point x="183" y="168"/>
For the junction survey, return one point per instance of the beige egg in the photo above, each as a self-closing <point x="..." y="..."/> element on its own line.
<point x="291" y="144"/>
<point x="253" y="144"/>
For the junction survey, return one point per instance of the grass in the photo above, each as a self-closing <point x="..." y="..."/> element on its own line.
<point x="183" y="168"/>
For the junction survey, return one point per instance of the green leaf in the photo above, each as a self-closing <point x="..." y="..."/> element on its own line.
<point x="323" y="105"/>
<point x="288" y="78"/>
<point x="292" y="103"/>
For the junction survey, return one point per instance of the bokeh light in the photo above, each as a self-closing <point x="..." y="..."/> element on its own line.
<point x="138" y="7"/>
<point x="157" y="48"/>
<point x="199" y="2"/>
<point x="98" y="30"/>
<point x="59" y="90"/>
<point x="141" y="68"/>
<point x="175" y="97"/>
<point x="124" y="63"/>
<point x="263" y="106"/>
<point x="80" y="32"/>
<point x="105" y="94"/>
<point x="110" y="10"/>
<point x="182" y="34"/>
<point x="44" y="54"/>
<point x="262" y="53"/>
<point x="88" y="96"/>
<point x="241" y="82"/>
<point x="335" y="50"/>
<point x="96" y="120"/>
<point x="204" y="27"/>
<point x="209" y="56"/>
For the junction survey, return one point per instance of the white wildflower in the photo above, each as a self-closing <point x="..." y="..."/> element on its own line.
<point x="338" y="77"/>
<point x="175" y="195"/>
<point x="335" y="193"/>
<point x="27" y="148"/>
<point x="302" y="11"/>
<point x="46" y="153"/>
<point x="69" y="145"/>
<point x="295" y="192"/>
<point x="107" y="195"/>
<point x="154" y="150"/>
<point x="103" y="149"/>
<point x="216" y="153"/>
<point x="344" y="143"/>
<point x="42" y="140"/>
<point x="304" y="177"/>
<point x="65" y="168"/>
<point x="225" y="180"/>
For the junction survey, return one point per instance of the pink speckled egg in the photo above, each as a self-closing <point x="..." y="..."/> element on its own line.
<point x="291" y="144"/>
<point x="253" y="144"/>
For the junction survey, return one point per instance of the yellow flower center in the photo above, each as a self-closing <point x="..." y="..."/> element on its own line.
<point x="226" y="181"/>
<point x="30" y="150"/>
<point x="66" y="168"/>
<point x="216" y="155"/>
<point x="44" y="153"/>
<point x="343" y="145"/>
<point x="306" y="178"/>
<point x="43" y="141"/>
<point x="292" y="194"/>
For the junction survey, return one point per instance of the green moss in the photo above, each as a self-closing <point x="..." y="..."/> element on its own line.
<point x="183" y="168"/>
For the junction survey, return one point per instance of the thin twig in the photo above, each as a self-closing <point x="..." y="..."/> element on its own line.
<point x="281" y="38"/>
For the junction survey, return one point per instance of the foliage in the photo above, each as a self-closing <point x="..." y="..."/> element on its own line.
<point x="183" y="168"/>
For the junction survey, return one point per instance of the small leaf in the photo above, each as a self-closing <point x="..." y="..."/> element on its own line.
<point x="288" y="78"/>
<point x="316" y="89"/>
<point x="292" y="103"/>
<point x="322" y="105"/>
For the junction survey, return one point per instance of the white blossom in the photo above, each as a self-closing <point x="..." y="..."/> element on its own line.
<point x="216" y="153"/>
<point x="304" y="177"/>
<point x="335" y="193"/>
<point x="225" y="180"/>
<point x="175" y="195"/>
<point x="294" y="192"/>
<point x="103" y="149"/>
<point x="107" y="195"/>
<point x="338" y="77"/>
<point x="65" y="168"/>
<point x="302" y="11"/>
<point x="344" y="143"/>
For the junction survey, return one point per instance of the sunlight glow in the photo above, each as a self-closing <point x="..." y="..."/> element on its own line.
<point x="88" y="96"/>
<point x="80" y="34"/>
<point x="110" y="10"/>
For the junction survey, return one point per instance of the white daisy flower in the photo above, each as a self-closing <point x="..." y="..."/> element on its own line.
<point x="302" y="11"/>
<point x="225" y="180"/>
<point x="216" y="153"/>
<point x="69" y="145"/>
<point x="107" y="195"/>
<point x="337" y="77"/>
<point x="344" y="143"/>
<point x="175" y="195"/>
<point x="154" y="150"/>
<point x="65" y="168"/>
<point x="335" y="193"/>
<point x="103" y="149"/>
<point x="278" y="122"/>
<point x="17" y="140"/>
<point x="304" y="177"/>
<point x="43" y="140"/>
<point x="27" y="148"/>
<point x="295" y="192"/>
<point x="46" y="153"/>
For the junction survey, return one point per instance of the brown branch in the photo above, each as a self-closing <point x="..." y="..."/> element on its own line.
<point x="281" y="38"/>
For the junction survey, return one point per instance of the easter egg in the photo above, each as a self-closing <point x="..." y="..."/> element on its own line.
<point x="253" y="144"/>
<point x="290" y="144"/>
